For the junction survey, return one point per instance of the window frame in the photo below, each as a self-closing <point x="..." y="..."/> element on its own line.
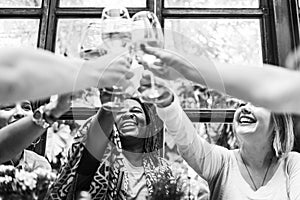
<point x="279" y="34"/>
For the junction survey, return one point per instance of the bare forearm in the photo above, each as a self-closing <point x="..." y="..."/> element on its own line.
<point x="99" y="133"/>
<point x="32" y="74"/>
<point x="17" y="136"/>
<point x="269" y="86"/>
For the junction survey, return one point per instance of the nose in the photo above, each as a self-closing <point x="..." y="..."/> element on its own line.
<point x="132" y="116"/>
<point x="19" y="113"/>
<point x="246" y="110"/>
<point x="128" y="115"/>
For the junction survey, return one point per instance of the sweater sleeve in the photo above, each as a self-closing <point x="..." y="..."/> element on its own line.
<point x="294" y="175"/>
<point x="206" y="159"/>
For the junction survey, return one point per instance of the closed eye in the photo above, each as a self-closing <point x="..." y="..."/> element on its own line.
<point x="7" y="107"/>
<point x="136" y="110"/>
<point x="241" y="105"/>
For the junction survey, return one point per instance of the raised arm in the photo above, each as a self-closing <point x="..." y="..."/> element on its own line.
<point x="35" y="73"/>
<point x="99" y="133"/>
<point x="206" y="159"/>
<point x="269" y="86"/>
<point x="92" y="155"/>
<point x="19" y="135"/>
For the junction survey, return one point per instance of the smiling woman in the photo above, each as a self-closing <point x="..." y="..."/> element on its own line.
<point x="253" y="171"/>
<point x="10" y="113"/>
<point x="115" y="156"/>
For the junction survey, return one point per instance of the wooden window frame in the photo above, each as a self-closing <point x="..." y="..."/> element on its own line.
<point x="279" y="34"/>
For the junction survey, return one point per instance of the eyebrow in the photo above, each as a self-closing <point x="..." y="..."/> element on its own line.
<point x="135" y="107"/>
<point x="25" y="102"/>
<point x="6" y="105"/>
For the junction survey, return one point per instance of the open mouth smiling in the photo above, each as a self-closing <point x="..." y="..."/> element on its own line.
<point x="247" y="119"/>
<point x="128" y="124"/>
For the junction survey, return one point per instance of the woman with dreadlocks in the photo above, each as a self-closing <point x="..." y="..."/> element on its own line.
<point x="116" y="157"/>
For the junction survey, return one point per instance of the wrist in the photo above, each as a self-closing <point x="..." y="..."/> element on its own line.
<point x="167" y="102"/>
<point x="42" y="119"/>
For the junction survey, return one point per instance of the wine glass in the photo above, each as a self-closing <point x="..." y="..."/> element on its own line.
<point x="116" y="28"/>
<point x="110" y="35"/>
<point x="147" y="30"/>
<point x="116" y="35"/>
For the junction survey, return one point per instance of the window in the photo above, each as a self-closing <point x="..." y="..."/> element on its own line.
<point x="259" y="31"/>
<point x="102" y="3"/>
<point x="20" y="3"/>
<point x="212" y="3"/>
<point x="19" y="32"/>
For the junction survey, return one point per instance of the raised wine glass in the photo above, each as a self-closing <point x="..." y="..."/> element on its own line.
<point x="116" y="35"/>
<point x="110" y="35"/>
<point x="147" y="30"/>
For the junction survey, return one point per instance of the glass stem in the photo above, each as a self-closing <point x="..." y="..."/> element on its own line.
<point x="152" y="82"/>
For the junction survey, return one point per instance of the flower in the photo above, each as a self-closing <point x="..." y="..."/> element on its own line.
<point x="167" y="188"/>
<point x="23" y="184"/>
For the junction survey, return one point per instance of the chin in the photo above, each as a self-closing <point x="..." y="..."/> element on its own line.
<point x="128" y="134"/>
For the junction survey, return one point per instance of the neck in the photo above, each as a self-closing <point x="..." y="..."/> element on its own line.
<point x="134" y="158"/>
<point x="132" y="144"/>
<point x="257" y="156"/>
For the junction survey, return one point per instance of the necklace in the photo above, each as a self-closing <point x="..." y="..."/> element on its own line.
<point x="250" y="174"/>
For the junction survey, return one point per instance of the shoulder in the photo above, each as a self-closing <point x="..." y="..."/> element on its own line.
<point x="293" y="162"/>
<point x="293" y="156"/>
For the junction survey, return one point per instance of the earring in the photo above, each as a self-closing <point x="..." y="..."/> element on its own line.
<point x="277" y="144"/>
<point x="34" y="143"/>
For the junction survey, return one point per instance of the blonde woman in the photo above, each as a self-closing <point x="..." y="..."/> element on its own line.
<point x="262" y="168"/>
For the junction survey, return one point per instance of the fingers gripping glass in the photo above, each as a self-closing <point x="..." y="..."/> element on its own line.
<point x="147" y="30"/>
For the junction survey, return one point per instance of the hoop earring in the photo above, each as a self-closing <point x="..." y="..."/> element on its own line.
<point x="277" y="144"/>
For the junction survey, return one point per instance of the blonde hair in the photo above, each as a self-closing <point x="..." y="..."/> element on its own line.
<point x="283" y="141"/>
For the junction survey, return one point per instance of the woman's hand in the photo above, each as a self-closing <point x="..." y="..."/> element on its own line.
<point x="172" y="65"/>
<point x="108" y="70"/>
<point x="60" y="106"/>
<point x="165" y="99"/>
<point x="106" y="95"/>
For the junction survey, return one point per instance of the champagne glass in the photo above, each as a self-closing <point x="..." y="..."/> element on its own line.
<point x="147" y="30"/>
<point x="110" y="35"/>
<point x="116" y="35"/>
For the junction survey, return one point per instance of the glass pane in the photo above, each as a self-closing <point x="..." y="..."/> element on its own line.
<point x="102" y="3"/>
<point x="19" y="32"/>
<point x="69" y="34"/>
<point x="20" y="3"/>
<point x="225" y="40"/>
<point x="212" y="3"/>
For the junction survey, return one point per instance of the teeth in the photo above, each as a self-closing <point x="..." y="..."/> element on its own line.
<point x="129" y="124"/>
<point x="246" y="120"/>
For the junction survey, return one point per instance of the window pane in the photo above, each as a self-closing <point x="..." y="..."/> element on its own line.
<point x="20" y="3"/>
<point x="19" y="32"/>
<point x="225" y="40"/>
<point x="69" y="34"/>
<point x="102" y="3"/>
<point x="212" y="3"/>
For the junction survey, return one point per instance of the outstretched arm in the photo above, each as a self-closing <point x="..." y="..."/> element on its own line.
<point x="269" y="86"/>
<point x="206" y="159"/>
<point x="17" y="136"/>
<point x="36" y="73"/>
